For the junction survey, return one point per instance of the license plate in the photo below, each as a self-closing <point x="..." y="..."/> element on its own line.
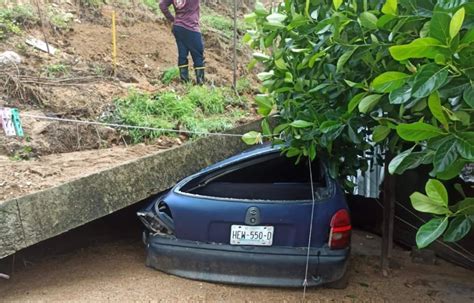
<point x="251" y="235"/>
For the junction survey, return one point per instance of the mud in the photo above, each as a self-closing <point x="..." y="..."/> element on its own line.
<point x="113" y="270"/>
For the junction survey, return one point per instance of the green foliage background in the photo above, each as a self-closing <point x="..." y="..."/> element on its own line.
<point x="346" y="76"/>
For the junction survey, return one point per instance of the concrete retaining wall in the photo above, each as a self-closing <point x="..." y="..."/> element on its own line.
<point x="36" y="217"/>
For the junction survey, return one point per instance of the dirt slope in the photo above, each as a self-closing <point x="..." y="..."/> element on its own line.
<point x="86" y="90"/>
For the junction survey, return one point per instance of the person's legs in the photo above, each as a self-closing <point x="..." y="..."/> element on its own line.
<point x="195" y="46"/>
<point x="183" y="51"/>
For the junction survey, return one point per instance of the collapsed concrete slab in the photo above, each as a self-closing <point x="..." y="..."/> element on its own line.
<point x="27" y="220"/>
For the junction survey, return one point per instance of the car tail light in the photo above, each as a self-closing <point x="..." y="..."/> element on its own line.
<point x="340" y="234"/>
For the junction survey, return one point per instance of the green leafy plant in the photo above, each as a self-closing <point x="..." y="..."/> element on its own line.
<point x="243" y="86"/>
<point x="151" y="4"/>
<point x="169" y="75"/>
<point x="200" y="109"/>
<point x="210" y="100"/>
<point x="344" y="77"/>
<point x="212" y="20"/>
<point x="453" y="222"/>
<point x="60" y="19"/>
<point x="56" y="70"/>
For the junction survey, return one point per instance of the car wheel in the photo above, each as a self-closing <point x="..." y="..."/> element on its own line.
<point x="342" y="283"/>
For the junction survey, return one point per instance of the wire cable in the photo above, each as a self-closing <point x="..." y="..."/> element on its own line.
<point x="115" y="125"/>
<point x="305" y="282"/>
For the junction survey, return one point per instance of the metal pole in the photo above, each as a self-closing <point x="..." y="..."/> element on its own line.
<point x="234" y="79"/>
<point x="40" y="15"/>
<point x="388" y="216"/>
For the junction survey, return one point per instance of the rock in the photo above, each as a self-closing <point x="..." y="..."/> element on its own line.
<point x="9" y="57"/>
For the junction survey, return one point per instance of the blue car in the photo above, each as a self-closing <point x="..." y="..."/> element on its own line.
<point x="246" y="220"/>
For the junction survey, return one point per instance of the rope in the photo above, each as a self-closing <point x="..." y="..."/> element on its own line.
<point x="305" y="282"/>
<point x="115" y="125"/>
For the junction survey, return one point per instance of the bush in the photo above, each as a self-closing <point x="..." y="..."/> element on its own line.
<point x="349" y="76"/>
<point x="11" y="19"/>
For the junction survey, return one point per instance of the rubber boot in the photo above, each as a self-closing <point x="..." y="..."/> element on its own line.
<point x="200" y="76"/>
<point x="184" y="74"/>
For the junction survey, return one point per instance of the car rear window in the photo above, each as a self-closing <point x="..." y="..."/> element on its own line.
<point x="269" y="177"/>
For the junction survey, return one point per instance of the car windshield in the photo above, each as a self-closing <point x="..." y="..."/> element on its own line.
<point x="268" y="177"/>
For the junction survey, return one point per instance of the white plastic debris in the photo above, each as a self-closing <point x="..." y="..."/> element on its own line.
<point x="41" y="45"/>
<point x="9" y="57"/>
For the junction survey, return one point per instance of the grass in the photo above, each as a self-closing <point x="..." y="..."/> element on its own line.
<point x="199" y="109"/>
<point x="11" y="19"/>
<point x="243" y="86"/>
<point x="170" y="74"/>
<point x="56" y="70"/>
<point x="151" y="4"/>
<point x="213" y="20"/>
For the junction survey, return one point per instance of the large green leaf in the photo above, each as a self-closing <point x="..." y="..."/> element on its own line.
<point x="439" y="25"/>
<point x="397" y="161"/>
<point x="276" y="18"/>
<point x="343" y="59"/>
<point x="452" y="171"/>
<point x="458" y="228"/>
<point x="328" y="126"/>
<point x="301" y="124"/>
<point x="431" y="231"/>
<point x="265" y="75"/>
<point x="424" y="204"/>
<point x="417" y="131"/>
<point x="428" y="79"/>
<point x="252" y="137"/>
<point x="466" y="206"/>
<point x="434" y="103"/>
<point x="389" y="81"/>
<point x="468" y="37"/>
<point x="368" y="103"/>
<point x="390" y="7"/>
<point x="445" y="155"/>
<point x="437" y="192"/>
<point x="337" y="3"/>
<point x="456" y="22"/>
<point x="400" y="95"/>
<point x="380" y="132"/>
<point x="368" y="20"/>
<point x="451" y="4"/>
<point x="468" y="96"/>
<point x="466" y="145"/>
<point x="405" y="161"/>
<point x="419" y="48"/>
<point x="354" y="102"/>
<point x="265" y="104"/>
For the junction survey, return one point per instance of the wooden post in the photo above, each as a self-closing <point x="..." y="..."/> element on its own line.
<point x="114" y="42"/>
<point x="388" y="216"/>
<point x="234" y="78"/>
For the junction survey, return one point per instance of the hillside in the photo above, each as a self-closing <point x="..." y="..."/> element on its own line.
<point x="80" y="82"/>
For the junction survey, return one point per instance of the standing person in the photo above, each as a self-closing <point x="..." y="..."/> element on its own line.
<point x="187" y="34"/>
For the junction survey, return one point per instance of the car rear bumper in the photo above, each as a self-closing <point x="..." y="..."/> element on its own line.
<point x="264" y="266"/>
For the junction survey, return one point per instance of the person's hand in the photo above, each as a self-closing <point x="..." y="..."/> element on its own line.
<point x="169" y="25"/>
